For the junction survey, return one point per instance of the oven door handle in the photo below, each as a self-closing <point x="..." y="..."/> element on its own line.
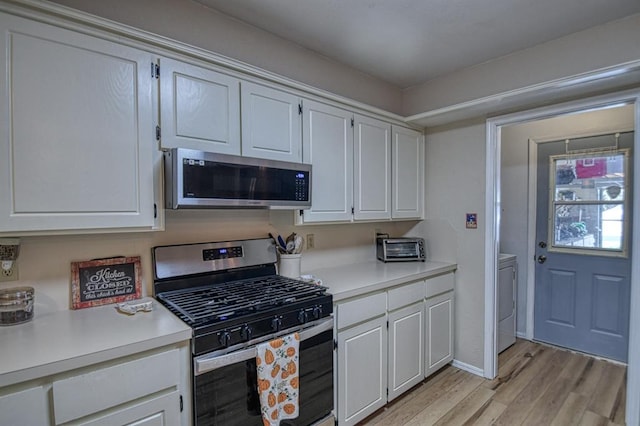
<point x="207" y="363"/>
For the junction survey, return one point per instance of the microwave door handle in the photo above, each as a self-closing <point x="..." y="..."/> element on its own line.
<point x="207" y="363"/>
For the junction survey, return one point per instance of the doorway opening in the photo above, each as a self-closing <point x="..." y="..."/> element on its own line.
<point x="497" y="128"/>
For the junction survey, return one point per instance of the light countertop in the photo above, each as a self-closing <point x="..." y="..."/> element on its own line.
<point x="360" y="278"/>
<point x="65" y="340"/>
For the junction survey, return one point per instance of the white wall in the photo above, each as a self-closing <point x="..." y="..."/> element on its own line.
<point x="45" y="262"/>
<point x="455" y="175"/>
<point x="514" y="177"/>
<point x="599" y="47"/>
<point x="197" y="25"/>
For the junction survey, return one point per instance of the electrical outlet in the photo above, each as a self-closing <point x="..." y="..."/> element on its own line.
<point x="311" y="243"/>
<point x="10" y="275"/>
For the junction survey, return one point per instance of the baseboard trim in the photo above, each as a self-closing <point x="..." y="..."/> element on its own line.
<point x="521" y="335"/>
<point x="468" y="368"/>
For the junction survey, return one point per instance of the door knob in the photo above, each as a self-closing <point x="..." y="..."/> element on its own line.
<point x="542" y="259"/>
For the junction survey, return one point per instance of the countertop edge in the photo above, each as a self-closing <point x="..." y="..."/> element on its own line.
<point x="69" y="364"/>
<point x="430" y="270"/>
<point x="161" y="329"/>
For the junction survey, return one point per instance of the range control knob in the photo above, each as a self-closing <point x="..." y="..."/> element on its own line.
<point x="224" y="338"/>
<point x="276" y="323"/>
<point x="302" y="316"/>
<point x="246" y="332"/>
<point x="317" y="312"/>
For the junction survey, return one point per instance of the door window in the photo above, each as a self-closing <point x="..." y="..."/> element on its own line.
<point x="588" y="202"/>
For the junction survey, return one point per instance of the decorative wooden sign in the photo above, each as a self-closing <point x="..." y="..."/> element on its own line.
<point x="104" y="281"/>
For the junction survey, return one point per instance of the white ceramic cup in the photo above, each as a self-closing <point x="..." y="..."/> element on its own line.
<point x="290" y="265"/>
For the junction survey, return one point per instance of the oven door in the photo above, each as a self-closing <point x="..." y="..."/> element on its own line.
<point x="226" y="386"/>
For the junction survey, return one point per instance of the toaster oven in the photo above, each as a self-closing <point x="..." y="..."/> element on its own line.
<point x="400" y="249"/>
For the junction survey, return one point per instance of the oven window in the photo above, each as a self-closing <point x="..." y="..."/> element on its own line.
<point x="229" y="395"/>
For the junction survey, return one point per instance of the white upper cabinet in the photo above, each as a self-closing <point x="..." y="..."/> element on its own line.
<point x="271" y="123"/>
<point x="408" y="174"/>
<point x="77" y="144"/>
<point x="363" y="168"/>
<point x="372" y="169"/>
<point x="199" y="108"/>
<point x="328" y="147"/>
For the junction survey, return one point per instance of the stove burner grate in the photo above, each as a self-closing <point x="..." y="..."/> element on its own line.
<point x="233" y="299"/>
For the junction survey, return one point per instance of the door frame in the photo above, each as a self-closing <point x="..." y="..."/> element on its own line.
<point x="492" y="232"/>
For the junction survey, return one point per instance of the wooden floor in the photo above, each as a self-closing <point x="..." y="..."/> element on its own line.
<point x="536" y="385"/>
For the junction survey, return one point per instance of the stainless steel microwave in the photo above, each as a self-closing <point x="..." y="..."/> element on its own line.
<point x="400" y="249"/>
<point x="199" y="179"/>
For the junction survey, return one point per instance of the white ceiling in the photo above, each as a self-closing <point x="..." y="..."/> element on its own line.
<point x="407" y="42"/>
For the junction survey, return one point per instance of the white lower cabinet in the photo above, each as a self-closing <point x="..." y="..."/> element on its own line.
<point x="159" y="411"/>
<point x="75" y="397"/>
<point x="362" y="370"/>
<point x="405" y="349"/>
<point x="149" y="390"/>
<point x="390" y="341"/>
<point x="361" y="357"/>
<point x="438" y="342"/>
<point x="25" y="408"/>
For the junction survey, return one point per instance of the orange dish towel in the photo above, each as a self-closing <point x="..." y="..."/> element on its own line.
<point x="278" y="378"/>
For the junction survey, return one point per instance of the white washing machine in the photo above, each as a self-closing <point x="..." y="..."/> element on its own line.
<point x="507" y="294"/>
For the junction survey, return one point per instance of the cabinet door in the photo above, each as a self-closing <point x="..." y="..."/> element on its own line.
<point x="372" y="169"/>
<point x="362" y="370"/>
<point x="328" y="147"/>
<point x="438" y="344"/>
<point x="406" y="348"/>
<point x="25" y="408"/>
<point x="77" y="143"/>
<point x="408" y="174"/>
<point x="200" y="108"/>
<point x="271" y="123"/>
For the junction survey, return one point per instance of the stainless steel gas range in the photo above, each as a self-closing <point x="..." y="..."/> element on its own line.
<point x="231" y="296"/>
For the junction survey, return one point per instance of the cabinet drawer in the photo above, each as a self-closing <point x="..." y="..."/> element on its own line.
<point x="159" y="411"/>
<point x="104" y="388"/>
<point x="24" y="408"/>
<point x="406" y="295"/>
<point x="362" y="309"/>
<point x="440" y="284"/>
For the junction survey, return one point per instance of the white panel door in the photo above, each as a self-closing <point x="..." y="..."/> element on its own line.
<point x="408" y="174"/>
<point x="77" y="141"/>
<point x="362" y="370"/>
<point x="328" y="147"/>
<point x="271" y="123"/>
<point x="199" y="107"/>
<point x="372" y="169"/>
<point x="406" y="348"/>
<point x="438" y="344"/>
